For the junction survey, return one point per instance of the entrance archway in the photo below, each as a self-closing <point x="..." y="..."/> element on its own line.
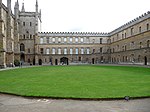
<point x="56" y="62"/>
<point x="93" y="61"/>
<point x="64" y="60"/>
<point x="145" y="60"/>
<point x="33" y="61"/>
<point x="40" y="62"/>
<point x="22" y="57"/>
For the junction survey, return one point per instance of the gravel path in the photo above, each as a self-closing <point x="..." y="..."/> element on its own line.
<point x="10" y="103"/>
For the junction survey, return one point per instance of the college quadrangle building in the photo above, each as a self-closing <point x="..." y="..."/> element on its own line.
<point x="20" y="40"/>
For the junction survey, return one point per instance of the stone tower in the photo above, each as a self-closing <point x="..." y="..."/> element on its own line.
<point x="16" y="31"/>
<point x="28" y="30"/>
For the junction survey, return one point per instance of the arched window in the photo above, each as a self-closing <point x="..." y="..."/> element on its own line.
<point x="22" y="47"/>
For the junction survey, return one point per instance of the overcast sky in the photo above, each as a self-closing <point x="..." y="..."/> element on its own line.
<point x="86" y="15"/>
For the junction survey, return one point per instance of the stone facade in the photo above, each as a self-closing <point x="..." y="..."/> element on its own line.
<point x="20" y="40"/>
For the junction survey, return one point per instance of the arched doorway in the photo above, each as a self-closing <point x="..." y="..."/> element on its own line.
<point x="79" y="58"/>
<point x="33" y="61"/>
<point x="56" y="62"/>
<point x="22" y="57"/>
<point x="40" y="62"/>
<point x="64" y="60"/>
<point x="145" y="60"/>
<point x="93" y="61"/>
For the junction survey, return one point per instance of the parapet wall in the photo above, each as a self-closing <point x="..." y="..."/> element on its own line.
<point x="95" y="34"/>
<point x="131" y="23"/>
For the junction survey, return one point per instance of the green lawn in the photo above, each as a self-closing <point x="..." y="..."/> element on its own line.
<point x="77" y="81"/>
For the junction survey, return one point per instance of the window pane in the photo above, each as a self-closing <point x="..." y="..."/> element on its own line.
<point x="71" y="39"/>
<point x="65" y="51"/>
<point x="53" y="39"/>
<point x="65" y="39"/>
<point x="82" y="51"/>
<point x="47" y="51"/>
<point x="53" y="51"/>
<point x="81" y="40"/>
<point x="41" y="40"/>
<point x="77" y="39"/>
<point x="76" y="50"/>
<point x="59" y="51"/>
<point x="59" y="39"/>
<point x="88" y="51"/>
<point x="71" y="51"/>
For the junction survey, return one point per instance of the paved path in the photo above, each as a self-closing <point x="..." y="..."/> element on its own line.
<point x="9" y="103"/>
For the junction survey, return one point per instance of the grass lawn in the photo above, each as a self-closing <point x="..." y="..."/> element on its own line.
<point x="77" y="81"/>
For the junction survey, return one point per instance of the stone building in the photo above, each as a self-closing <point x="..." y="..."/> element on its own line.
<point x="21" y="40"/>
<point x="8" y="37"/>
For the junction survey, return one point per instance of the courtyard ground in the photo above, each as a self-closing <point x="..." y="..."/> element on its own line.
<point x="10" y="103"/>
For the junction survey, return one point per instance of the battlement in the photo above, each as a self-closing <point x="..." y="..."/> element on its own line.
<point x="131" y="23"/>
<point x="98" y="34"/>
<point x="27" y="13"/>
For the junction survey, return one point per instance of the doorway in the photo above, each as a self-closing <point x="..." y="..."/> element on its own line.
<point x="93" y="61"/>
<point x="40" y="62"/>
<point x="64" y="60"/>
<point x="56" y="62"/>
<point x="145" y="60"/>
<point x="22" y="57"/>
